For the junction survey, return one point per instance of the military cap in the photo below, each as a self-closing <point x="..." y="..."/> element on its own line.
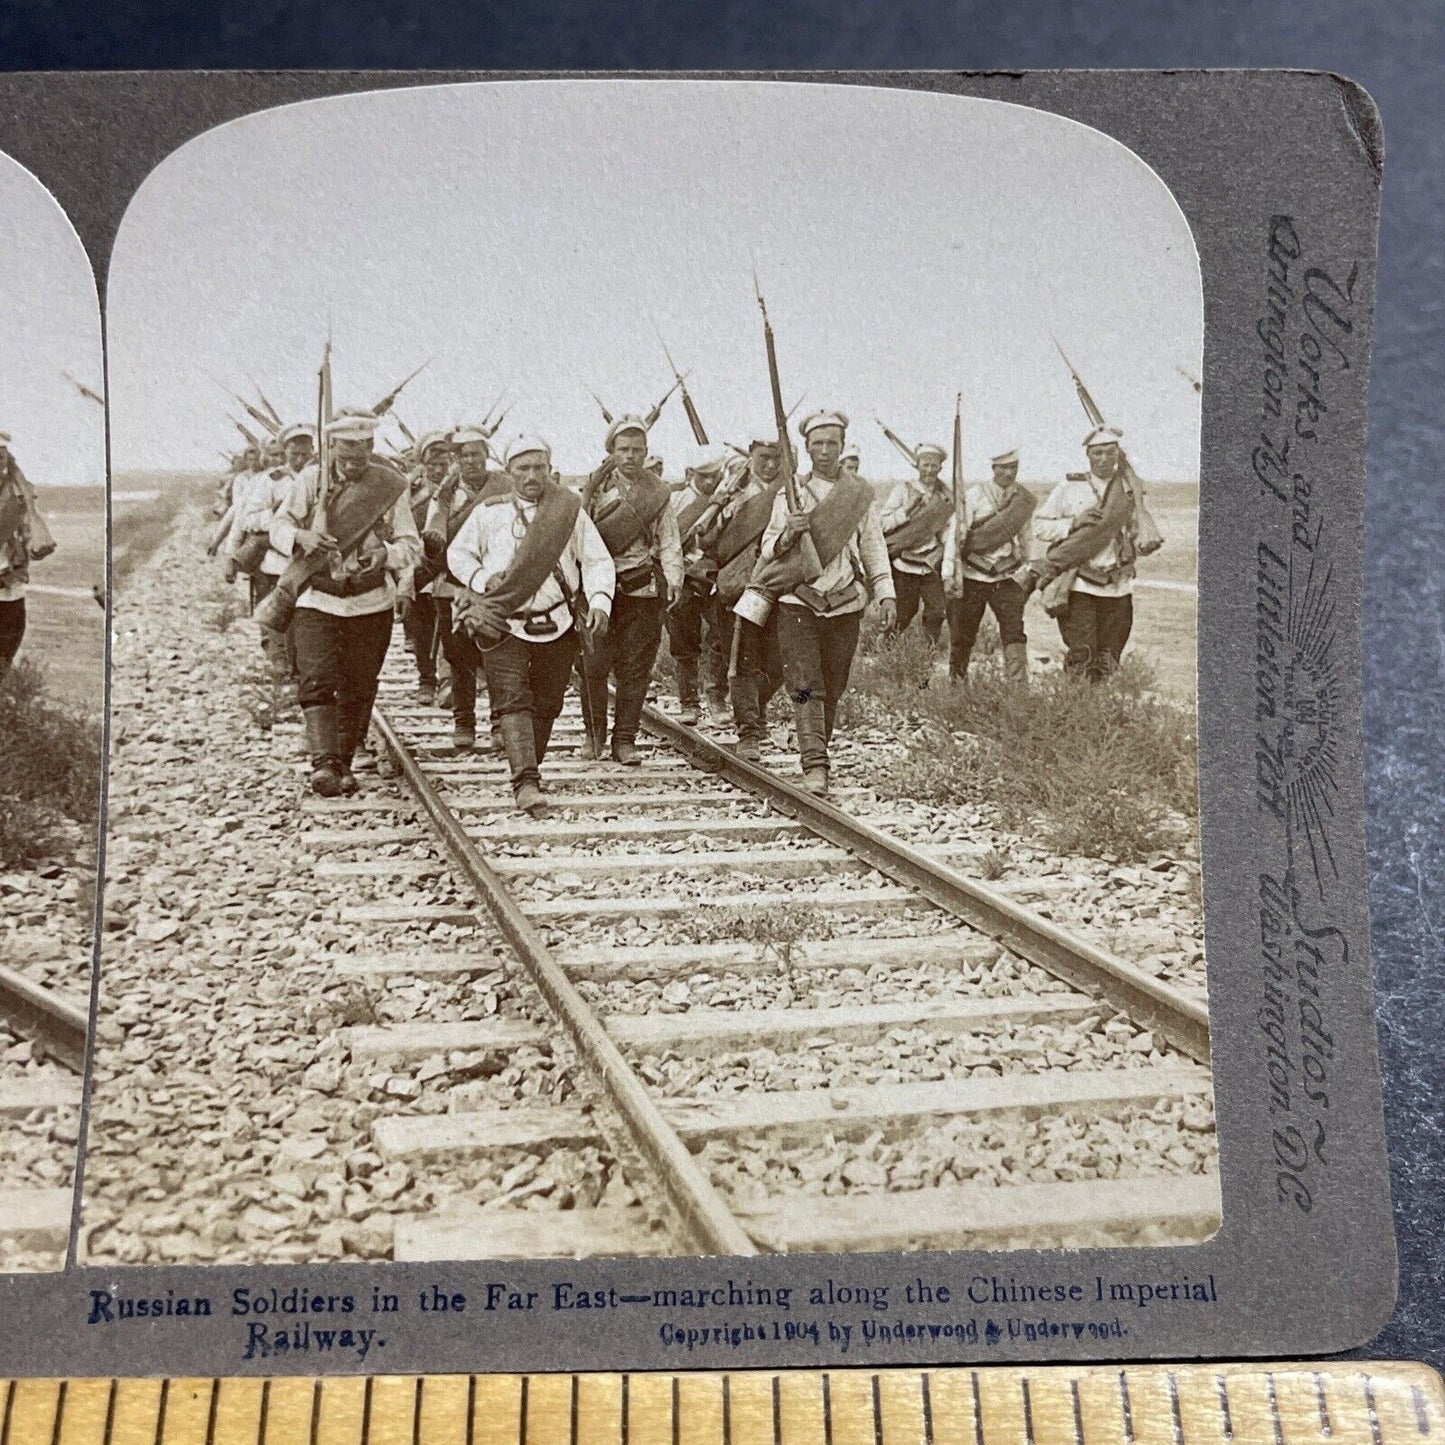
<point x="427" y="440"/>
<point x="930" y="449"/>
<point x="520" y="446"/>
<point x="290" y="433"/>
<point x="850" y="453"/>
<point x="815" y="419"/>
<point x="1103" y="436"/>
<point x="1004" y="459"/>
<point x="710" y="461"/>
<point x="352" y="424"/>
<point x="653" y="464"/>
<point x="622" y="424"/>
<point x="464" y="434"/>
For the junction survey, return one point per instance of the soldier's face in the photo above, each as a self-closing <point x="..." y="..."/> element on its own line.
<point x="929" y="468"/>
<point x="473" y="459"/>
<point x="849" y="465"/>
<point x="352" y="458"/>
<point x="630" y="449"/>
<point x="825" y="445"/>
<point x="298" y="452"/>
<point x="765" y="462"/>
<point x="1104" y="460"/>
<point x="704" y="483"/>
<point x="1005" y="474"/>
<point x="253" y="459"/>
<point x="435" y="463"/>
<point x="529" y="473"/>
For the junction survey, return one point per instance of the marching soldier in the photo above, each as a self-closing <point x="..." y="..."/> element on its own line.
<point x="532" y="570"/>
<point x="755" y="665"/>
<point x="1091" y="525"/>
<point x="850" y="459"/>
<point x="818" y="622"/>
<point x="462" y="491"/>
<point x="630" y="506"/>
<point x="343" y="617"/>
<point x="692" y="622"/>
<point x="417" y="603"/>
<point x="914" y="519"/>
<point x="24" y="538"/>
<point x="983" y="549"/>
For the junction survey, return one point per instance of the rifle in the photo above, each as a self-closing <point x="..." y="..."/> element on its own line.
<point x="596" y="735"/>
<point x="806" y="547"/>
<point x="491" y="430"/>
<point x="275" y="415"/>
<point x="699" y="433"/>
<point x="385" y="404"/>
<point x="1091" y="407"/>
<point x="272" y="428"/>
<point x="405" y="430"/>
<point x="606" y="415"/>
<point x="719" y="499"/>
<point x="251" y="438"/>
<point x="323" y="447"/>
<point x="650" y="420"/>
<point x="904" y="450"/>
<point x="95" y="396"/>
<point x="487" y="419"/>
<point x="958" y="491"/>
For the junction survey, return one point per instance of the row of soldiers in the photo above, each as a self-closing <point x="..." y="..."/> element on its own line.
<point x="525" y="581"/>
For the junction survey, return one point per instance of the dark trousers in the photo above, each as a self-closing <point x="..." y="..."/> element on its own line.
<point x="12" y="630"/>
<point x="1095" y="631"/>
<point x="626" y="653"/>
<point x="340" y="659"/>
<point x="1004" y="598"/>
<point x="693" y="634"/>
<point x="759" y="671"/>
<point x="913" y="590"/>
<point x="528" y="677"/>
<point x="817" y="655"/>
<point x="279" y="647"/>
<point x="465" y="662"/>
<point x="421" y="628"/>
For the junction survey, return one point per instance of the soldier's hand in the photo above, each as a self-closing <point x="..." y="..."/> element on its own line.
<point x="312" y="542"/>
<point x="597" y="624"/>
<point x="888" y="614"/>
<point x="674" y="594"/>
<point x="403" y="610"/>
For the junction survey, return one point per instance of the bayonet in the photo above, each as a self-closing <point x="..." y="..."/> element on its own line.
<point x="699" y="432"/>
<point x="908" y="453"/>
<point x="385" y="404"/>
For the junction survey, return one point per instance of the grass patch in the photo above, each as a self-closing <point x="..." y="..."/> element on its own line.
<point x="775" y="930"/>
<point x="49" y="770"/>
<point x="142" y="527"/>
<point x="1101" y="771"/>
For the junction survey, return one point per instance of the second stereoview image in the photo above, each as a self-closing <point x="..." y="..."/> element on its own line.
<point x="652" y="716"/>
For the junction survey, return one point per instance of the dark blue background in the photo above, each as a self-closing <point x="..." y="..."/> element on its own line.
<point x="1396" y="50"/>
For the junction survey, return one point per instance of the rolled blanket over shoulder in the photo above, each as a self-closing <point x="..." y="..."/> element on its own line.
<point x="1092" y="531"/>
<point x="623" y="518"/>
<point x="746" y="526"/>
<point x="831" y="524"/>
<point x="537" y="554"/>
<point x="352" y="512"/>
<point x="920" y="529"/>
<point x="993" y="532"/>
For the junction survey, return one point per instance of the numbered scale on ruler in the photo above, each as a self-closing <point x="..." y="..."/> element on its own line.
<point x="1365" y="1404"/>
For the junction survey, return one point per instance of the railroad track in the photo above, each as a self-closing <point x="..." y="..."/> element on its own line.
<point x="757" y="1022"/>
<point x="42" y="1061"/>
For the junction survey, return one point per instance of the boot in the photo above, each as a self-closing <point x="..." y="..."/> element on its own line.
<point x="499" y="741"/>
<point x="690" y="715"/>
<point x="809" y="719"/>
<point x="426" y="694"/>
<point x="323" y="743"/>
<point x="1016" y="662"/>
<point x="717" y="704"/>
<point x="464" y="738"/>
<point x="624" y="751"/>
<point x="749" y="751"/>
<point x="521" y="746"/>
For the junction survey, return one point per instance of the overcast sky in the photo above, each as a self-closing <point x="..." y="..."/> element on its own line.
<point x="49" y="324"/>
<point x="526" y="235"/>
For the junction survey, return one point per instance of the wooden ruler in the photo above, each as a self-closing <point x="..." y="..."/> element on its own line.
<point x="1252" y="1404"/>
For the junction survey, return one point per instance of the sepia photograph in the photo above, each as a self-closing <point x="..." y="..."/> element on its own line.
<point x="653" y="695"/>
<point x="52" y="695"/>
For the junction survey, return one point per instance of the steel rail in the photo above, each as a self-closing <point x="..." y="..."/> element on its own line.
<point x="55" y="1021"/>
<point x="1163" y="1009"/>
<point x="712" y="1227"/>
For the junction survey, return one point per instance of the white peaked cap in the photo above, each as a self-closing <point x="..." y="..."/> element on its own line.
<point x="931" y="449"/>
<point x="429" y="439"/>
<point x="520" y="446"/>
<point x="352" y="424"/>
<point x="850" y="450"/>
<point x="622" y="424"/>
<point x="298" y="429"/>
<point x="815" y="419"/>
<point x="1004" y="459"/>
<point x="708" y="460"/>
<point x="1103" y="436"/>
<point x="465" y="434"/>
